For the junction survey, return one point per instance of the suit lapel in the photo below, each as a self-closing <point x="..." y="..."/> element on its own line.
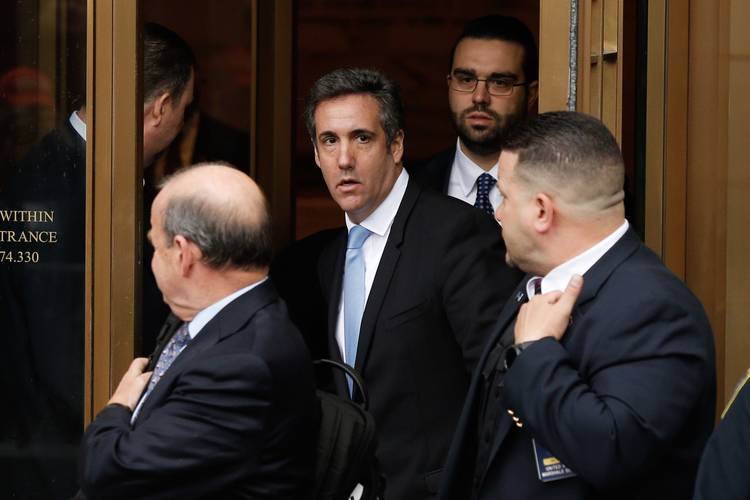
<point x="330" y="275"/>
<point x="435" y="172"/>
<point x="384" y="274"/>
<point x="464" y="440"/>
<point x="503" y="334"/>
<point x="227" y="322"/>
<point x="594" y="279"/>
<point x="445" y="169"/>
<point x="508" y="314"/>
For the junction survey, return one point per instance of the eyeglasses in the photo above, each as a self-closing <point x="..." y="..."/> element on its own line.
<point x="495" y="86"/>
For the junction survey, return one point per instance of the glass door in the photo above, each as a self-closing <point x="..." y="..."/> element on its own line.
<point x="42" y="244"/>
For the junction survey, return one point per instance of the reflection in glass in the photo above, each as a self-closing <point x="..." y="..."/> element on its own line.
<point x="42" y="244"/>
<point x="217" y="125"/>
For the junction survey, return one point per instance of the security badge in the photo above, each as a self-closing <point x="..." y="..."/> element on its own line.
<point x="548" y="467"/>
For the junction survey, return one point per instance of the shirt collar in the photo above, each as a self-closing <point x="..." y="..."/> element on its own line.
<point x="78" y="125"/>
<point x="558" y="278"/>
<point x="467" y="171"/>
<point x="380" y="220"/>
<point x="205" y="315"/>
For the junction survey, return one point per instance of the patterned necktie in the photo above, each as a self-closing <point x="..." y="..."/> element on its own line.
<point x="536" y="284"/>
<point x="175" y="345"/>
<point x="485" y="182"/>
<point x="354" y="293"/>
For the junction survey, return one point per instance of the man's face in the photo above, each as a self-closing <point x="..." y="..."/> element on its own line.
<point x="515" y="213"/>
<point x="157" y="139"/>
<point x="352" y="152"/>
<point x="483" y="120"/>
<point x="165" y="262"/>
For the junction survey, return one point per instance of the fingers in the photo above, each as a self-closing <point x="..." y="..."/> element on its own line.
<point x="138" y="365"/>
<point x="571" y="293"/>
<point x="552" y="297"/>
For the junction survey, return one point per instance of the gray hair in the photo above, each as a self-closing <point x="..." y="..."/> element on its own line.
<point x="353" y="81"/>
<point x="224" y="236"/>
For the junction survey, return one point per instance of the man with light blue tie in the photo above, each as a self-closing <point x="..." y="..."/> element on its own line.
<point x="230" y="408"/>
<point x="413" y="285"/>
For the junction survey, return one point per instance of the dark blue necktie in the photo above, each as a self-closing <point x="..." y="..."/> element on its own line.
<point x="485" y="182"/>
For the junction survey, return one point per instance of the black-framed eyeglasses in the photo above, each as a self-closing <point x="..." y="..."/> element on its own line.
<point x="500" y="87"/>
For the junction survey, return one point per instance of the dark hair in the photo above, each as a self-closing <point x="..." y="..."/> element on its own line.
<point x="568" y="147"/>
<point x="167" y="63"/>
<point x="224" y="238"/>
<point x="508" y="29"/>
<point x="348" y="81"/>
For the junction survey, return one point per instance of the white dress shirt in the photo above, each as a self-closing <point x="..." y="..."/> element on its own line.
<point x="199" y="321"/>
<point x="558" y="278"/>
<point x="462" y="183"/>
<point x="379" y="223"/>
<point x="78" y="125"/>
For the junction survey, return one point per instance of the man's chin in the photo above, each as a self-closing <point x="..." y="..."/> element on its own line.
<point x="481" y="142"/>
<point x="480" y="133"/>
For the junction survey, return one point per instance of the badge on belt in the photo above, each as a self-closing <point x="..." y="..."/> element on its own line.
<point x="548" y="467"/>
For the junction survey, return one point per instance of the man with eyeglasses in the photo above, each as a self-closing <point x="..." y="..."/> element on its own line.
<point x="492" y="85"/>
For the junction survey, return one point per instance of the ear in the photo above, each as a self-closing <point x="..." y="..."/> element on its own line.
<point x="189" y="254"/>
<point x="532" y="94"/>
<point x="315" y="151"/>
<point x="544" y="213"/>
<point x="397" y="147"/>
<point x="155" y="110"/>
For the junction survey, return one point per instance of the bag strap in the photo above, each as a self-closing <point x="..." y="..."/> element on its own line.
<point x="349" y="371"/>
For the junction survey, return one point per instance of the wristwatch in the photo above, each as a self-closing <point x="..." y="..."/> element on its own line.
<point x="512" y="352"/>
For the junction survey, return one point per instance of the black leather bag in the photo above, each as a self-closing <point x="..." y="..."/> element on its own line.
<point x="346" y="444"/>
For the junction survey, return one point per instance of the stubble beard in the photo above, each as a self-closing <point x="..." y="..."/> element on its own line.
<point x="486" y="141"/>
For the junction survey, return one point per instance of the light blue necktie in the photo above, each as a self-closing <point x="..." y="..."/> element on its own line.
<point x="354" y="293"/>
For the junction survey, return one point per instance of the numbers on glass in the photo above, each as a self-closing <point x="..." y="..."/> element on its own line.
<point x="19" y="257"/>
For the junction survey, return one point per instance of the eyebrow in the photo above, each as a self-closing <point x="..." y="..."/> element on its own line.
<point x="326" y="133"/>
<point x="500" y="74"/>
<point x="360" y="131"/>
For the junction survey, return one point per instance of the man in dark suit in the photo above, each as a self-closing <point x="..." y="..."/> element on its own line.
<point x="47" y="421"/>
<point x="411" y="300"/>
<point x="723" y="469"/>
<point x="230" y="408"/>
<point x="600" y="386"/>
<point x="492" y="85"/>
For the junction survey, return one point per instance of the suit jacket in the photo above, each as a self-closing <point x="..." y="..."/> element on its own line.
<point x="234" y="416"/>
<point x="435" y="173"/>
<point x="440" y="284"/>
<point x="42" y="312"/>
<point x="723" y="469"/>
<point x="626" y="399"/>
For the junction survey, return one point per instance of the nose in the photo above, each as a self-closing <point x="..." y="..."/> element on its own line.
<point x="480" y="94"/>
<point x="345" y="156"/>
